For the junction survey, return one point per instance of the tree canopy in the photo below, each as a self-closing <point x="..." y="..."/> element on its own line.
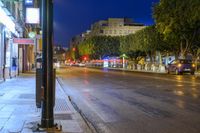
<point x="178" y="21"/>
<point x="98" y="47"/>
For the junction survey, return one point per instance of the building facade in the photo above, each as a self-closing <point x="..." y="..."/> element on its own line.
<point x="115" y="27"/>
<point x="110" y="27"/>
<point x="76" y="40"/>
<point x="10" y="27"/>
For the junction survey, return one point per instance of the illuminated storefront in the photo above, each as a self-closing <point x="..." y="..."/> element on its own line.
<point x="8" y="52"/>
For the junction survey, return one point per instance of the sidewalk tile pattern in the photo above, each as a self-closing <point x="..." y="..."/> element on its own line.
<point x="18" y="112"/>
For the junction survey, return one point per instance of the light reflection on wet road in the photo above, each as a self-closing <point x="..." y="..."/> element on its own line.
<point x="131" y="102"/>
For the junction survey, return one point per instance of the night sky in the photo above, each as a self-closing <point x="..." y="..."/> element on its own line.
<point x="72" y="17"/>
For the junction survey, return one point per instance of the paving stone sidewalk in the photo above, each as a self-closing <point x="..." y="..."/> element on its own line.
<point x="19" y="114"/>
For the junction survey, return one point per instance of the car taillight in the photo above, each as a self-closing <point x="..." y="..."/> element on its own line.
<point x="179" y="65"/>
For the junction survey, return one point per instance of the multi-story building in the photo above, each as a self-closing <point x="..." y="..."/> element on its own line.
<point x="60" y="54"/>
<point x="28" y="52"/>
<point x="76" y="40"/>
<point x="115" y="27"/>
<point x="31" y="32"/>
<point x="110" y="27"/>
<point x="11" y="21"/>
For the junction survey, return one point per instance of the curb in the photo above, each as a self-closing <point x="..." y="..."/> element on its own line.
<point x="81" y="116"/>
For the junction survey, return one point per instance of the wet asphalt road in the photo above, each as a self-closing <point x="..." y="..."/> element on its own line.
<point x="131" y="102"/>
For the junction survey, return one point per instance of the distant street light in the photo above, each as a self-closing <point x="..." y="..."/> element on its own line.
<point x="123" y="60"/>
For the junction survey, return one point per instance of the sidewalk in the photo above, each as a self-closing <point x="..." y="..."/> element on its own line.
<point x="18" y="112"/>
<point x="1" y="81"/>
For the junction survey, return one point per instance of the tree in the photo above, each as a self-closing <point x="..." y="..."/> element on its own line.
<point x="178" y="21"/>
<point x="86" y="47"/>
<point x="125" y="44"/>
<point x="144" y="42"/>
<point x="98" y="47"/>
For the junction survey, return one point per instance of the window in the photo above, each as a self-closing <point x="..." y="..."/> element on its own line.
<point x="104" y="24"/>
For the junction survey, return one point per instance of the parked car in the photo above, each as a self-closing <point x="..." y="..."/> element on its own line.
<point x="181" y="66"/>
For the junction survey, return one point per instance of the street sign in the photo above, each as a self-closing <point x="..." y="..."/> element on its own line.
<point x="29" y="2"/>
<point x="32" y="16"/>
<point x="24" y="41"/>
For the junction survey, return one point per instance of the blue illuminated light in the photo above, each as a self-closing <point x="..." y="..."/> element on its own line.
<point x="28" y="2"/>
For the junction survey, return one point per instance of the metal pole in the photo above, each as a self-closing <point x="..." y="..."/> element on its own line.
<point x="47" y="120"/>
<point x="123" y="61"/>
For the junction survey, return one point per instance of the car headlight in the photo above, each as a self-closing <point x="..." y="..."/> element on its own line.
<point x="179" y="65"/>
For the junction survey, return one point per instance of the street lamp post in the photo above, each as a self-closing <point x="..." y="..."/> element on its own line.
<point x="123" y="60"/>
<point x="47" y="120"/>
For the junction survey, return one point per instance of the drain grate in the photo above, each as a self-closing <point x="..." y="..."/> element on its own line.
<point x="61" y="105"/>
<point x="62" y="117"/>
<point x="27" y="96"/>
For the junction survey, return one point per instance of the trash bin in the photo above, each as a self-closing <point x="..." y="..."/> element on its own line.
<point x="39" y="89"/>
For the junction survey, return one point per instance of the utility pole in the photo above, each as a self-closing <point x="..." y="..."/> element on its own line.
<point x="47" y="120"/>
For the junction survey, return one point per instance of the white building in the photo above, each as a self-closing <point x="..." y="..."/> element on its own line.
<point x="115" y="27"/>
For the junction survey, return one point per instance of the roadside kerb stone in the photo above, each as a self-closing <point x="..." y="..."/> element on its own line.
<point x="18" y="112"/>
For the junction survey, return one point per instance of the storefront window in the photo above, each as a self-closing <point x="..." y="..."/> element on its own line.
<point x="7" y="53"/>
